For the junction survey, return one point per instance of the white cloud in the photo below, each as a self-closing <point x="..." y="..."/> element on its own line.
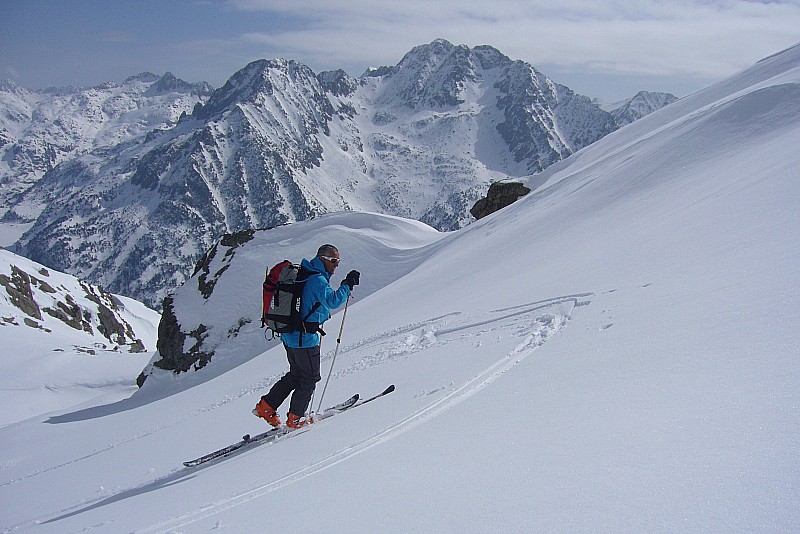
<point x="704" y="39"/>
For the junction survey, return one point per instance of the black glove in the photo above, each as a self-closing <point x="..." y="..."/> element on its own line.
<point x="352" y="279"/>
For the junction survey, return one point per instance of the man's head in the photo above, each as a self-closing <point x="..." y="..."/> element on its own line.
<point x="329" y="256"/>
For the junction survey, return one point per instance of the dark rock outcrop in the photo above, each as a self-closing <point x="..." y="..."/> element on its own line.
<point x="500" y="195"/>
<point x="18" y="287"/>
<point x="171" y="342"/>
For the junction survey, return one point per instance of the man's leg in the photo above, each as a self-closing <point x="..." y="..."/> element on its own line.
<point x="306" y="373"/>
<point x="283" y="387"/>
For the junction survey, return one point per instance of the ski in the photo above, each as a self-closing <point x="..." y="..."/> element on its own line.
<point x="269" y="436"/>
<point x="378" y="396"/>
<point x="274" y="434"/>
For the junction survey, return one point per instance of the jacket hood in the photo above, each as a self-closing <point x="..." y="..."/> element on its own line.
<point x="316" y="266"/>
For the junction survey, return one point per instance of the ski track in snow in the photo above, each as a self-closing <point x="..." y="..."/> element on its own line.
<point x="401" y="342"/>
<point x="410" y="339"/>
<point x="535" y="323"/>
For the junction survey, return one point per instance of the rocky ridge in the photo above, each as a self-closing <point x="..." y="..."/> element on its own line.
<point x="34" y="297"/>
<point x="41" y="129"/>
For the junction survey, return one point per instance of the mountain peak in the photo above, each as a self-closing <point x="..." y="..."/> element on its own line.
<point x="433" y="74"/>
<point x="437" y="47"/>
<point x="252" y="82"/>
<point x="337" y="82"/>
<point x="641" y="104"/>
<point x="9" y="86"/>
<point x="169" y="83"/>
<point x="490" y="57"/>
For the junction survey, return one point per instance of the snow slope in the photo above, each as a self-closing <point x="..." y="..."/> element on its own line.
<point x="65" y="342"/>
<point x="617" y="351"/>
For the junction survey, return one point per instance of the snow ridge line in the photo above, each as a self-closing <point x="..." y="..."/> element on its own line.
<point x="547" y="325"/>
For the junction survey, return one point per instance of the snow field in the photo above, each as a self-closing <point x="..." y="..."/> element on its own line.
<point x="614" y="352"/>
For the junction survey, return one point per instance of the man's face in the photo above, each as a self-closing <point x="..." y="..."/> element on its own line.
<point x="331" y="262"/>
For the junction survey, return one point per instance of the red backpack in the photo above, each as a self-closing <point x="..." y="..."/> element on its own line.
<point x="269" y="287"/>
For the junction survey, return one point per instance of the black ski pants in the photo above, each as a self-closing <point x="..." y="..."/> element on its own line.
<point x="301" y="379"/>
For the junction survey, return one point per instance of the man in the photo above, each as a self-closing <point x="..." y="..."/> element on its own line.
<point x="303" y="348"/>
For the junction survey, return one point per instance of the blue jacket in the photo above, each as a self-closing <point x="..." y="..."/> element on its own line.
<point x="317" y="289"/>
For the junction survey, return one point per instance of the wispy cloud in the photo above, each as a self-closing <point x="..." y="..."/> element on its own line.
<point x="699" y="38"/>
<point x="600" y="47"/>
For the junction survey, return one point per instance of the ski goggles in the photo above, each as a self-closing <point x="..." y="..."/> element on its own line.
<point x="331" y="259"/>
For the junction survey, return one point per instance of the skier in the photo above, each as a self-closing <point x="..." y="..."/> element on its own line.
<point x="303" y="347"/>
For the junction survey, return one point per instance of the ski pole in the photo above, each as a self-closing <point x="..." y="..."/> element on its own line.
<point x="335" y="353"/>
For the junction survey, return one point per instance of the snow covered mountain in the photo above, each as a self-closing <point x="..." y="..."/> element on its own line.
<point x="194" y="326"/>
<point x="279" y="143"/>
<point x="616" y="351"/>
<point x="40" y="129"/>
<point x="640" y="105"/>
<point x="65" y="341"/>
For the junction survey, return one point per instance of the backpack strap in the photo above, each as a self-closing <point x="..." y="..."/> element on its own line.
<point x="309" y="327"/>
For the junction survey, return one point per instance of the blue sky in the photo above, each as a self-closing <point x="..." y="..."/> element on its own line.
<point x="608" y="49"/>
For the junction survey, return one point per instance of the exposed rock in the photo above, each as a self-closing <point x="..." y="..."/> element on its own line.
<point x="42" y="285"/>
<point x="171" y="341"/>
<point x="110" y="327"/>
<point x="141" y="378"/>
<point x="206" y="283"/>
<point x="34" y="307"/>
<point x="70" y="314"/>
<point x="237" y="238"/>
<point x="19" y="291"/>
<point x="500" y="195"/>
<point x="234" y="331"/>
<point x="170" y="337"/>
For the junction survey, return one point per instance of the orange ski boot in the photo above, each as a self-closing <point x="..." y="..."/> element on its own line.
<point x="295" y="421"/>
<point x="268" y="413"/>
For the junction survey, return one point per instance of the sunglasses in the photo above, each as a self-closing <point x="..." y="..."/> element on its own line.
<point x="330" y="259"/>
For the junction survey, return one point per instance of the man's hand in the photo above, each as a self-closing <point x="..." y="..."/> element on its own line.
<point x="352" y="279"/>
